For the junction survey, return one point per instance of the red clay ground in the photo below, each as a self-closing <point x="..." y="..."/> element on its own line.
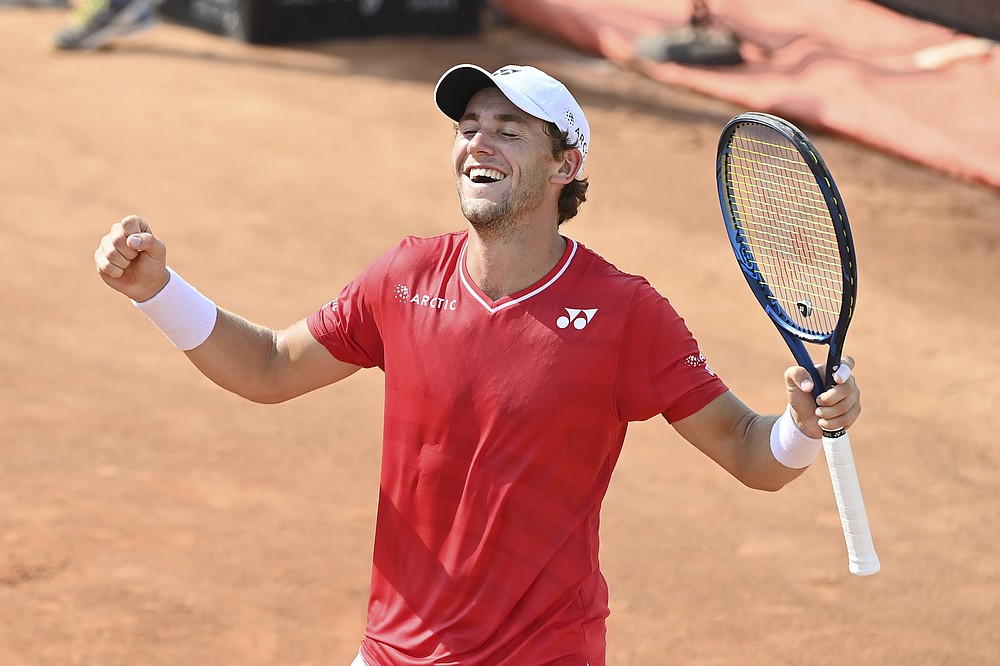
<point x="148" y="517"/>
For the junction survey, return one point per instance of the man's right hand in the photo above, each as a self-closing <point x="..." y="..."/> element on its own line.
<point x="131" y="260"/>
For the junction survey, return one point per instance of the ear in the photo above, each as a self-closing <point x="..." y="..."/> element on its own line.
<point x="568" y="167"/>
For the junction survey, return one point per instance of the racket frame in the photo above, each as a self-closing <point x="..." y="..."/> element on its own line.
<point x="793" y="334"/>
<point x="862" y="558"/>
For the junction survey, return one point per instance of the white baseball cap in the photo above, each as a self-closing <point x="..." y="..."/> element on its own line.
<point x="529" y="89"/>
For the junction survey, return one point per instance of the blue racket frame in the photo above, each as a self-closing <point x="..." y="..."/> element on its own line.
<point x="793" y="334"/>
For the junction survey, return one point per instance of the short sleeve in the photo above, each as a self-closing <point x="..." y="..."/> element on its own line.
<point x="349" y="326"/>
<point x="662" y="370"/>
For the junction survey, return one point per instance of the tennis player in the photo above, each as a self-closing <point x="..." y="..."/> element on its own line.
<point x="514" y="360"/>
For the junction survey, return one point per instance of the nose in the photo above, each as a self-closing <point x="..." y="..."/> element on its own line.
<point x="480" y="143"/>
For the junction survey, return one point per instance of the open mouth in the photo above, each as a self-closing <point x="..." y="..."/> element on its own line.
<point x="481" y="175"/>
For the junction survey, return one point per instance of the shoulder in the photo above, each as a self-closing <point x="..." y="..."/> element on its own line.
<point x="414" y="253"/>
<point x="641" y="301"/>
<point x="443" y="243"/>
<point x="421" y="255"/>
<point x="593" y="267"/>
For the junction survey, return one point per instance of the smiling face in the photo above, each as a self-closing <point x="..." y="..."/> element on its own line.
<point x="503" y="163"/>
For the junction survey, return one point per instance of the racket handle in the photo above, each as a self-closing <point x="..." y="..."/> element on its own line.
<point x="860" y="549"/>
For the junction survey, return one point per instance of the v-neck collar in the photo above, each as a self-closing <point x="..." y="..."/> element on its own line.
<point x="518" y="297"/>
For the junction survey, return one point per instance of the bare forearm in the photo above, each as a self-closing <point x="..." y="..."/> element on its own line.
<point x="757" y="466"/>
<point x="739" y="440"/>
<point x="264" y="365"/>
<point x="240" y="357"/>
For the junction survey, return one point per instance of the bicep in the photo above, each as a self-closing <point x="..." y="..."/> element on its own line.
<point x="302" y="364"/>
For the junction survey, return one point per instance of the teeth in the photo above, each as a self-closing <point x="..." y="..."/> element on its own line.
<point x="479" y="174"/>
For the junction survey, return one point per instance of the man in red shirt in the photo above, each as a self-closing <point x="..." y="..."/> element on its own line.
<point x="514" y="359"/>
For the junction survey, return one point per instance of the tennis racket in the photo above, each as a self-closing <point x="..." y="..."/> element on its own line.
<point x="789" y="230"/>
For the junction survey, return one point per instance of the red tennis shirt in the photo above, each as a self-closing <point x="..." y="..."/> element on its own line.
<point x="503" y="422"/>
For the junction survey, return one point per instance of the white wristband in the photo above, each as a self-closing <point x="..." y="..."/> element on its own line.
<point x="184" y="315"/>
<point x="790" y="446"/>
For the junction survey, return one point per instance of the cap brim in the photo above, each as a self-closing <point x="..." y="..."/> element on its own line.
<point x="457" y="86"/>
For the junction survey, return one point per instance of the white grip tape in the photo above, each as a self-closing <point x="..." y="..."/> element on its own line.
<point x="181" y="312"/>
<point x="862" y="559"/>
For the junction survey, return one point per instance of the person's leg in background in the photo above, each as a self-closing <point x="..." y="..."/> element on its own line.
<point x="97" y="22"/>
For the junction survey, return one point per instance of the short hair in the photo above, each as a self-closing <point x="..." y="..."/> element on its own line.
<point x="573" y="193"/>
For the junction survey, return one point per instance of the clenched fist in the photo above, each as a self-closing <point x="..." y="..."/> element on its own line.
<point x="131" y="260"/>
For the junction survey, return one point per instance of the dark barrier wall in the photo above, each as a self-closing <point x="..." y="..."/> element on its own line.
<point x="270" y="21"/>
<point x="976" y="17"/>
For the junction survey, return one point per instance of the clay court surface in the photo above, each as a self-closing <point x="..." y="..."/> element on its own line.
<point x="148" y="518"/>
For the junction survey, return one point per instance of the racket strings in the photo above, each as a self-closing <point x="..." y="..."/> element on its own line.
<point x="783" y="221"/>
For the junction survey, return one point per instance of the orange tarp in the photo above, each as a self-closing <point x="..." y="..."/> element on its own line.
<point x="910" y="87"/>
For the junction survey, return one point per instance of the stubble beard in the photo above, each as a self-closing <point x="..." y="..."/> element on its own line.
<point x="500" y="219"/>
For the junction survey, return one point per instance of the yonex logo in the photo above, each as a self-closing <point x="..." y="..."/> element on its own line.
<point x="578" y="318"/>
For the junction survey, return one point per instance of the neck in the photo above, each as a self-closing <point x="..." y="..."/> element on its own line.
<point x="501" y="266"/>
